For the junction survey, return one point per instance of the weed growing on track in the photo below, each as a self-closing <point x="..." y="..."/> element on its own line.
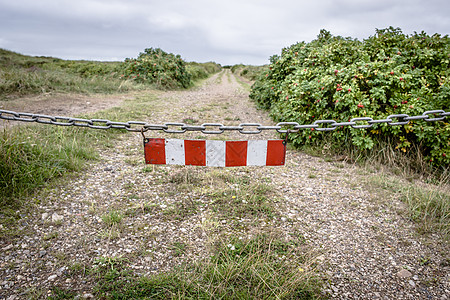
<point x="428" y="206"/>
<point x="263" y="267"/>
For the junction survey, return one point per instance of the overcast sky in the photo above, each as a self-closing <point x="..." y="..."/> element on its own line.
<point x="225" y="31"/>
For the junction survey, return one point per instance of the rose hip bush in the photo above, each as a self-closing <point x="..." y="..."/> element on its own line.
<point x="342" y="78"/>
<point x="157" y="67"/>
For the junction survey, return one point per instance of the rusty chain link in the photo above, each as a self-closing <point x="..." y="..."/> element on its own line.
<point x="218" y="128"/>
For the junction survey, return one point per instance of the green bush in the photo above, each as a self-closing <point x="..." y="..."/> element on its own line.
<point x="159" y="68"/>
<point x="202" y="70"/>
<point x="248" y="71"/>
<point x="342" y="78"/>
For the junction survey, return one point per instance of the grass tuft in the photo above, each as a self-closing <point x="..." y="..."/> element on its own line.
<point x="30" y="156"/>
<point x="258" y="268"/>
<point x="427" y="205"/>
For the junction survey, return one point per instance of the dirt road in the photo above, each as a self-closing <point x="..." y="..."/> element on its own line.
<point x="363" y="245"/>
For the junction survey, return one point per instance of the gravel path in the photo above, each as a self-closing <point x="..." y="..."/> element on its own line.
<point x="364" y="248"/>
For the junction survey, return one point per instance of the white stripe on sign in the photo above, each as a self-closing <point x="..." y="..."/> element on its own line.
<point x="256" y="153"/>
<point x="215" y="153"/>
<point x="175" y="152"/>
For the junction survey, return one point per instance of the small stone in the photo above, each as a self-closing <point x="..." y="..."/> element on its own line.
<point x="44" y="216"/>
<point x="56" y="217"/>
<point x="404" y="274"/>
<point x="283" y="219"/>
<point x="411" y="283"/>
<point x="52" y="277"/>
<point x="88" y="296"/>
<point x="9" y="247"/>
<point x="42" y="253"/>
<point x="321" y="258"/>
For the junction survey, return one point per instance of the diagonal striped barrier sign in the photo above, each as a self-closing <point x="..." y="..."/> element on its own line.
<point x="214" y="153"/>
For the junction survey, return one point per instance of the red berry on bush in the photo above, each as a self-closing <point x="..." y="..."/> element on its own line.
<point x="392" y="72"/>
<point x="360" y="105"/>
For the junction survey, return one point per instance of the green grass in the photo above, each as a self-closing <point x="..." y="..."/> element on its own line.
<point x="257" y="268"/>
<point x="112" y="218"/>
<point x="427" y="205"/>
<point x="23" y="75"/>
<point x="248" y="71"/>
<point x="200" y="71"/>
<point x="31" y="156"/>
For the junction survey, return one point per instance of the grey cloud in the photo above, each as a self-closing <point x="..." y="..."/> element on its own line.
<point x="228" y="32"/>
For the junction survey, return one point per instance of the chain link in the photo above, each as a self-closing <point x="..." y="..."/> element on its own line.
<point x="218" y="128"/>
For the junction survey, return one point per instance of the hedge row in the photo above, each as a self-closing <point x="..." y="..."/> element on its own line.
<point x="343" y="78"/>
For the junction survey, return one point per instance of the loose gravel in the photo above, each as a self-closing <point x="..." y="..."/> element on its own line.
<point x="363" y="246"/>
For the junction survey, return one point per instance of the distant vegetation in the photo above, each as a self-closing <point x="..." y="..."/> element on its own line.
<point x="165" y="70"/>
<point x="247" y="71"/>
<point x="340" y="78"/>
<point x="22" y="75"/>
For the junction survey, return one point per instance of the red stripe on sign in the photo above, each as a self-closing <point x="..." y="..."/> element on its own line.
<point x="195" y="152"/>
<point x="276" y="153"/>
<point x="155" y="151"/>
<point x="236" y="153"/>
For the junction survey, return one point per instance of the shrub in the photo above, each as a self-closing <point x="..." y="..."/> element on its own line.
<point x="202" y="70"/>
<point x="157" y="67"/>
<point x="342" y="78"/>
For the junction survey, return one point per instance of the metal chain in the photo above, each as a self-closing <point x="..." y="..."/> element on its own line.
<point x="218" y="128"/>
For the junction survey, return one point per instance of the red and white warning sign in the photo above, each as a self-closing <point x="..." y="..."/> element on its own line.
<point x="214" y="153"/>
